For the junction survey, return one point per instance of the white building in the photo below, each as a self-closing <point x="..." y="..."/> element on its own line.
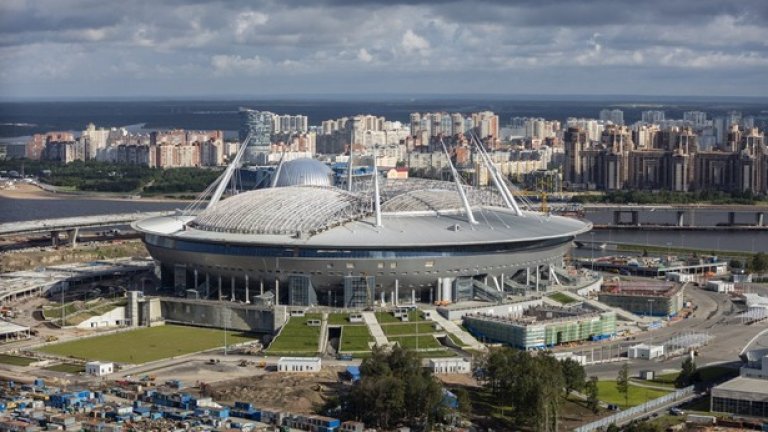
<point x="644" y="351"/>
<point x="98" y="368"/>
<point x="450" y="366"/>
<point x="298" y="364"/>
<point x="720" y="286"/>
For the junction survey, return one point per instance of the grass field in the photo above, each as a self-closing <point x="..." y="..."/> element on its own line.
<point x="408" y="329"/>
<point x="387" y="317"/>
<point x="16" y="360"/>
<point x="562" y="298"/>
<point x="66" y="368"/>
<point x="297" y="336"/>
<point x="341" y="319"/>
<point x="355" y="338"/>
<point x="423" y="342"/>
<point x="456" y="340"/>
<point x="608" y="393"/>
<point x="146" y="344"/>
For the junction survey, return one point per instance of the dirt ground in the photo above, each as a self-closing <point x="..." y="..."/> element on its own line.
<point x="303" y="393"/>
<point x="64" y="255"/>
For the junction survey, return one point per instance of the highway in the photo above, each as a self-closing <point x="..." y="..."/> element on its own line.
<point x="64" y="224"/>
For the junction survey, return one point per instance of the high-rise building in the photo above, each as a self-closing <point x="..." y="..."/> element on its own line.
<point x="652" y="116"/>
<point x="698" y="119"/>
<point x="258" y="124"/>
<point x="615" y="116"/>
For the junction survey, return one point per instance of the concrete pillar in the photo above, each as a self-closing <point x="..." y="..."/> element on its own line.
<point x="759" y="218"/>
<point x="72" y="236"/>
<point x="447" y="294"/>
<point x="431" y="296"/>
<point x="537" y="278"/>
<point x="439" y="289"/>
<point x="413" y="296"/>
<point x="383" y="300"/>
<point x="233" y="298"/>
<point x="207" y="286"/>
<point x="261" y="287"/>
<point x="247" y="297"/>
<point x="635" y="217"/>
<point x="195" y="273"/>
<point x="502" y="282"/>
<point x="219" y="287"/>
<point x="731" y="218"/>
<point x="396" y="299"/>
<point x="527" y="276"/>
<point x="277" y="292"/>
<point x="616" y="217"/>
<point x="54" y="238"/>
<point x="680" y="218"/>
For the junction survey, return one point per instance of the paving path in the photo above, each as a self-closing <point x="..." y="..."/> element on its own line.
<point x="457" y="331"/>
<point x="376" y="331"/>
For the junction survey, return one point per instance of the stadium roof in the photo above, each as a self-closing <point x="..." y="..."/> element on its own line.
<point x="306" y="172"/>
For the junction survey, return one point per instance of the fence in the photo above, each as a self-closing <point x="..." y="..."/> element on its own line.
<point x="635" y="411"/>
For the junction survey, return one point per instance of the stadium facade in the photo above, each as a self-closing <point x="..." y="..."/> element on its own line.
<point x="305" y="242"/>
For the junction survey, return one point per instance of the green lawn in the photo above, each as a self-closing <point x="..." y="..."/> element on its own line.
<point x="71" y="368"/>
<point x="456" y="340"/>
<point x="355" y="338"/>
<point x="411" y="342"/>
<point x="341" y="319"/>
<point x="608" y="393"/>
<point x="408" y="328"/>
<point x="16" y="360"/>
<point x="562" y="298"/>
<point x="296" y="336"/>
<point x="147" y="344"/>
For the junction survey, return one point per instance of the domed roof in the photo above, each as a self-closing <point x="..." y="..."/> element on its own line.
<point x="293" y="210"/>
<point x="304" y="172"/>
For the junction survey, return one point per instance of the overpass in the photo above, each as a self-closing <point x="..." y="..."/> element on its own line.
<point x="679" y="210"/>
<point x="71" y="225"/>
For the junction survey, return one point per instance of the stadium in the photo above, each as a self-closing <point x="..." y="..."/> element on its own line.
<point x="304" y="241"/>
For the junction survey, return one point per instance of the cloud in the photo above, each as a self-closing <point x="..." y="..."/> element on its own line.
<point x="364" y="56"/>
<point x="436" y="46"/>
<point x="237" y="65"/>
<point x="413" y="43"/>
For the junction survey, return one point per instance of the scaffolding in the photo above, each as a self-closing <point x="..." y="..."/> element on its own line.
<point x="358" y="291"/>
<point x="300" y="291"/>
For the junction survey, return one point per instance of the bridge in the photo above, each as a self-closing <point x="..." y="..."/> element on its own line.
<point x="679" y="210"/>
<point x="71" y="225"/>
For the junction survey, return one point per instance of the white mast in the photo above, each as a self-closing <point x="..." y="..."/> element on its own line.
<point x="224" y="179"/>
<point x="376" y="196"/>
<point x="470" y="215"/>
<point x="349" y="163"/>
<point x="498" y="179"/>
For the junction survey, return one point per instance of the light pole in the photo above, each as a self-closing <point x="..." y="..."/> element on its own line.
<point x="592" y="234"/>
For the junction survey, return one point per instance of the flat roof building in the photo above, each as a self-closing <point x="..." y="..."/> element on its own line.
<point x="543" y="326"/>
<point x="449" y="366"/>
<point x="298" y="364"/>
<point x="643" y="298"/>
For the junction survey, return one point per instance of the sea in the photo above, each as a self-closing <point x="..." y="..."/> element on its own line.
<point x="25" y="118"/>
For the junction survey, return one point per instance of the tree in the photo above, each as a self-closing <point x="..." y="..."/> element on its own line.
<point x="574" y="375"/>
<point x="464" y="401"/>
<point x="735" y="264"/>
<point x="593" y="401"/>
<point x="759" y="262"/>
<point x="622" y="383"/>
<point x="686" y="376"/>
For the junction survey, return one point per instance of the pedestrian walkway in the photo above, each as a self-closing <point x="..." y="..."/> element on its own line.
<point x="376" y="331"/>
<point x="451" y="327"/>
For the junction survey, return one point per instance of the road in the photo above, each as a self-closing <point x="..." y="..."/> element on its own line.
<point x="716" y="316"/>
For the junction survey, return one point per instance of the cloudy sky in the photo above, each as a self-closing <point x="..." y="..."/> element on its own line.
<point x="103" y="48"/>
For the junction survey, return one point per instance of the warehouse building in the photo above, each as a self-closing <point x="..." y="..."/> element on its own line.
<point x="543" y="326"/>
<point x="643" y="298"/>
<point x="298" y="364"/>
